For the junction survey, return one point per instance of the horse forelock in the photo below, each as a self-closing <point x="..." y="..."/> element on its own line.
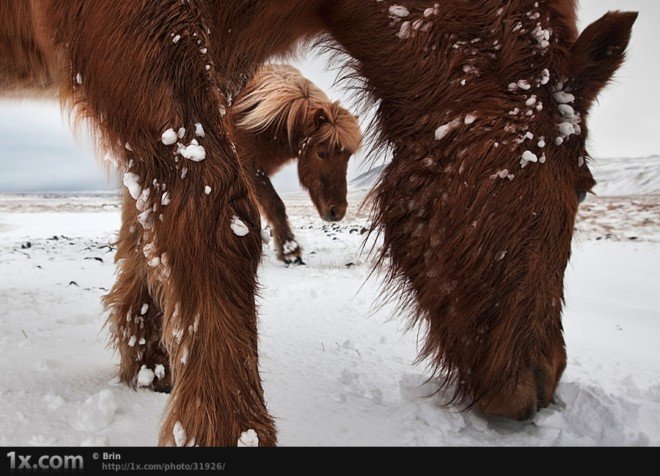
<point x="280" y="96"/>
<point x="341" y="131"/>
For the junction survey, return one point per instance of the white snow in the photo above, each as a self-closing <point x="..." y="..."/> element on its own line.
<point x="566" y="129"/>
<point x="337" y="370"/>
<point x="502" y="174"/>
<point x="96" y="441"/>
<point x="566" y="110"/>
<point x="97" y="412"/>
<point x="563" y="97"/>
<point x="184" y="355"/>
<point x="290" y="246"/>
<point x="570" y="124"/>
<point x="431" y="11"/>
<point x="627" y="176"/>
<point x="239" y="227"/>
<point x="444" y="130"/>
<point x="199" y="130"/>
<point x="528" y="156"/>
<point x="142" y="202"/>
<point x="405" y="30"/>
<point x="145" y="377"/>
<point x="248" y="439"/>
<point x="159" y="371"/>
<point x="169" y="137"/>
<point x="146" y="220"/>
<point x="53" y="401"/>
<point x="207" y="190"/>
<point x="542" y="36"/>
<point x="398" y="11"/>
<point x="524" y="85"/>
<point x="193" y="151"/>
<point x="179" y="434"/>
<point x="132" y="183"/>
<point x="545" y="77"/>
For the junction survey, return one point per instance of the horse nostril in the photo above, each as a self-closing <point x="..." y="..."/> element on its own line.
<point x="333" y="213"/>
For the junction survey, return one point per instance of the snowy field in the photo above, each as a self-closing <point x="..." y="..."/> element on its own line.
<point x="338" y="369"/>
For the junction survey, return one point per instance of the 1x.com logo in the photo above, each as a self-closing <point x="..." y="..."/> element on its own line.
<point x="25" y="462"/>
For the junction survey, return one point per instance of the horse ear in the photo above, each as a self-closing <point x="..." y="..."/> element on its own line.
<point x="320" y="117"/>
<point x="600" y="51"/>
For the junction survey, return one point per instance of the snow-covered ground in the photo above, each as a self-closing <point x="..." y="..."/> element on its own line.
<point x="338" y="370"/>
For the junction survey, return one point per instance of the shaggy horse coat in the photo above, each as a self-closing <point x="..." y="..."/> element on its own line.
<point x="279" y="117"/>
<point x="484" y="105"/>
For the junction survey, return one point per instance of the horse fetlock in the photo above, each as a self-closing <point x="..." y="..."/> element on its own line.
<point x="146" y="366"/>
<point x="298" y="261"/>
<point x="162" y="381"/>
<point x="210" y="428"/>
<point x="289" y="251"/>
<point x="198" y="414"/>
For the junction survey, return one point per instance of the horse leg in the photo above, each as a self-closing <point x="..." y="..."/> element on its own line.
<point x="286" y="246"/>
<point x="210" y="234"/>
<point x="135" y="315"/>
<point x="197" y="212"/>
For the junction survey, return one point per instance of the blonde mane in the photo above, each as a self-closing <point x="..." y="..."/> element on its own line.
<point x="280" y="96"/>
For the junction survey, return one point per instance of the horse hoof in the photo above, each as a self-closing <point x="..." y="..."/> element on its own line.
<point x="163" y="388"/>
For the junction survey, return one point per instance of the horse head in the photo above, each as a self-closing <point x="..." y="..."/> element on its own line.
<point x="332" y="137"/>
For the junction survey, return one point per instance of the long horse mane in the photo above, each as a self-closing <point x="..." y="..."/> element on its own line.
<point x="279" y="95"/>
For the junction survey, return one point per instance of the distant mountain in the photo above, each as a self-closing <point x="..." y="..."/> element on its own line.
<point x="637" y="176"/>
<point x="615" y="177"/>
<point x="369" y="178"/>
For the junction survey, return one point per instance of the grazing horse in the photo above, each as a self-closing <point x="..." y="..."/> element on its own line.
<point x="484" y="105"/>
<point x="279" y="117"/>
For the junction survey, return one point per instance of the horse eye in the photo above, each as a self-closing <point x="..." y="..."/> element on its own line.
<point x="323" y="155"/>
<point x="582" y="196"/>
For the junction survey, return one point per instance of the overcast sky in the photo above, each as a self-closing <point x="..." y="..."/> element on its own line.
<point x="39" y="153"/>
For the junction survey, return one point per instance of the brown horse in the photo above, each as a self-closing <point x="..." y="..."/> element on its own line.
<point x="483" y="103"/>
<point x="280" y="117"/>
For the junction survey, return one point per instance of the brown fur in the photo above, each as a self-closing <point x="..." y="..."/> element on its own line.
<point x="480" y="259"/>
<point x="279" y="117"/>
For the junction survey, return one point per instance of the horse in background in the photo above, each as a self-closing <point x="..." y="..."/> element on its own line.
<point x="484" y="105"/>
<point x="281" y="117"/>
